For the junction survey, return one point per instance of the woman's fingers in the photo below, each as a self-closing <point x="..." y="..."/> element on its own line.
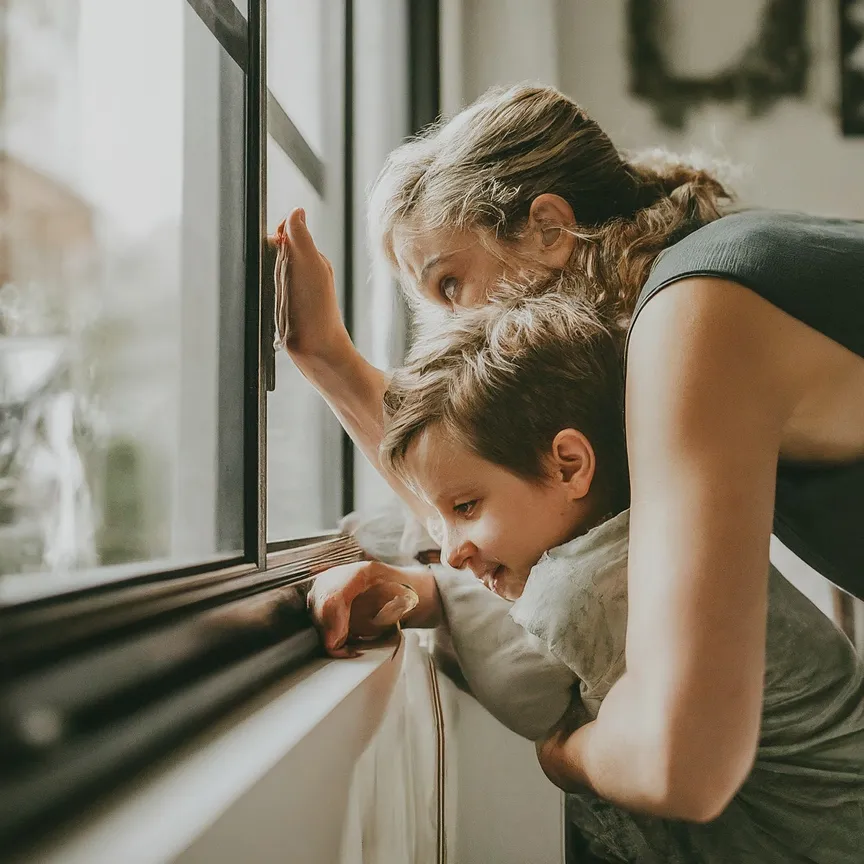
<point x="299" y="234"/>
<point x="308" y="319"/>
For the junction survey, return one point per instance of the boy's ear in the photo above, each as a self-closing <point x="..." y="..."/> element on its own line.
<point x="573" y="461"/>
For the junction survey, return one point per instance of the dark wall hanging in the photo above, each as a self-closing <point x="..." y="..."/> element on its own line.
<point x="774" y="63"/>
<point x="852" y="66"/>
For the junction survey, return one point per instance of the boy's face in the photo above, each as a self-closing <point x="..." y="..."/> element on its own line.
<point x="495" y="522"/>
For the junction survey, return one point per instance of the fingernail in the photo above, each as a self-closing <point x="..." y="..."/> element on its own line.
<point x="302" y="215"/>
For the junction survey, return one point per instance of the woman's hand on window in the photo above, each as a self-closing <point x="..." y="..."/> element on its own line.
<point x="308" y="321"/>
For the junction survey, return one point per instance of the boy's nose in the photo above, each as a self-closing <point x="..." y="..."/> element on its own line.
<point x="459" y="554"/>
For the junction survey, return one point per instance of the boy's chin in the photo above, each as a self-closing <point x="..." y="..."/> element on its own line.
<point x="509" y="585"/>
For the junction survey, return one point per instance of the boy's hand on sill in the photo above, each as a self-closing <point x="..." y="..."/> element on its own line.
<point x="362" y="602"/>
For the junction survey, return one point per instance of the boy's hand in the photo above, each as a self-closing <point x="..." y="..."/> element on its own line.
<point x="553" y="754"/>
<point x="308" y="320"/>
<point x="363" y="600"/>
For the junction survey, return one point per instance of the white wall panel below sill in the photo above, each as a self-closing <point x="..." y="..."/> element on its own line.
<point x="502" y="810"/>
<point x="268" y="784"/>
<point x="286" y="779"/>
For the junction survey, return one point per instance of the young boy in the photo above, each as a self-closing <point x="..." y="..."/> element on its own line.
<point x="509" y="423"/>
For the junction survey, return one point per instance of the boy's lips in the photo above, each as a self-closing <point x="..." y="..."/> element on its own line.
<point x="489" y="575"/>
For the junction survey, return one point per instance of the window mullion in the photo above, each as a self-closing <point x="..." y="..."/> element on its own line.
<point x="257" y="306"/>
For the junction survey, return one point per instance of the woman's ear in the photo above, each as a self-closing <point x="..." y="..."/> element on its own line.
<point x="573" y="462"/>
<point x="549" y="217"/>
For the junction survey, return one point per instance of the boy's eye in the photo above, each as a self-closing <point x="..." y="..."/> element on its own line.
<point x="465" y="509"/>
<point x="449" y="288"/>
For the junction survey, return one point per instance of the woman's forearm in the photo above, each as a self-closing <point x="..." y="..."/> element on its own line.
<point x="621" y="757"/>
<point x="354" y="389"/>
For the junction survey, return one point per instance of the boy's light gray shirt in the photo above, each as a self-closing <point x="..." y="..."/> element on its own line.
<point x="804" y="798"/>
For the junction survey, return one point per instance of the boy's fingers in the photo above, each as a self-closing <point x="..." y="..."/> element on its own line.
<point x="334" y="624"/>
<point x="392" y="612"/>
<point x="345" y="653"/>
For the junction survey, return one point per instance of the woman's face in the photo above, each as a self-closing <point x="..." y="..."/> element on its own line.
<point x="454" y="269"/>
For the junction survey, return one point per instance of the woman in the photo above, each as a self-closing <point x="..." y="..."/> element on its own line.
<point x="744" y="407"/>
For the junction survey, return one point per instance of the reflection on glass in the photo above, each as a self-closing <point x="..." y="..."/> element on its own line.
<point x="297" y="51"/>
<point x="121" y="286"/>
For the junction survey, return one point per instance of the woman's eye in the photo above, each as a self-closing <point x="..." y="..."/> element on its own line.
<point x="465" y="509"/>
<point x="449" y="287"/>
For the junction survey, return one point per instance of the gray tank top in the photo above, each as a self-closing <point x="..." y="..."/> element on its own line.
<point x="813" y="269"/>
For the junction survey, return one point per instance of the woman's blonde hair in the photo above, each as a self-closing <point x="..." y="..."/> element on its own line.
<point x="504" y="379"/>
<point x="482" y="169"/>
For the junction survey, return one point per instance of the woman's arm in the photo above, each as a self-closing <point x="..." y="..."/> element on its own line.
<point x="709" y="389"/>
<point x="321" y="348"/>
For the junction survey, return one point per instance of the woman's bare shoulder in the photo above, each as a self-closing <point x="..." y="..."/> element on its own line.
<point x="703" y="336"/>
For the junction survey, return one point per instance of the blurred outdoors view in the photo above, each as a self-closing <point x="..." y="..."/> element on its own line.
<point x="110" y="279"/>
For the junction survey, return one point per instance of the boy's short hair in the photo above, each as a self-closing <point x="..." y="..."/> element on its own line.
<point x="504" y="379"/>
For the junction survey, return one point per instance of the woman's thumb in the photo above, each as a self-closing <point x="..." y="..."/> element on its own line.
<point x="301" y="239"/>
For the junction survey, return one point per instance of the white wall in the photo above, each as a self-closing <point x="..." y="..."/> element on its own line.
<point x="793" y="157"/>
<point x="506" y="811"/>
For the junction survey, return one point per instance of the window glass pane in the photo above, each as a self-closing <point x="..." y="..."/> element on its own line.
<point x="296" y="48"/>
<point x="303" y="437"/>
<point x="121" y="289"/>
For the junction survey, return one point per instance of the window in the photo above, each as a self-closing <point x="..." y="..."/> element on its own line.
<point x="122" y="296"/>
<point x="305" y="168"/>
<point x="158" y="508"/>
